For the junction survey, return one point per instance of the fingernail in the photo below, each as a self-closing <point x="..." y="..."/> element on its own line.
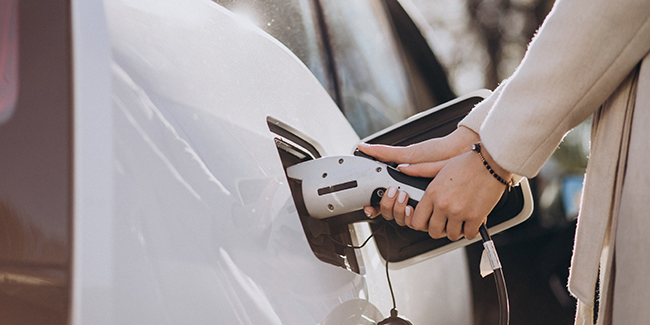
<point x="368" y="213"/>
<point x="391" y="192"/>
<point x="403" y="166"/>
<point x="408" y="211"/>
<point x="363" y="145"/>
<point x="402" y="197"/>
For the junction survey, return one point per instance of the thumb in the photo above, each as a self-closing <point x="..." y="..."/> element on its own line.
<point x="428" y="169"/>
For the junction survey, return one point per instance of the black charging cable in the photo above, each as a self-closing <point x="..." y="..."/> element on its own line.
<point x="502" y="291"/>
<point x="490" y="249"/>
<point x="394" y="318"/>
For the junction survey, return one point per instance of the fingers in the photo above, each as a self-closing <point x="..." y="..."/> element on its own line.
<point x="387" y="203"/>
<point x="385" y="153"/>
<point x="471" y="229"/>
<point x="454" y="229"/>
<point x="421" y="216"/>
<point x="370" y="212"/>
<point x="426" y="217"/>
<point x="455" y="224"/>
<point x="393" y="205"/>
<point x="399" y="209"/>
<point x="429" y="169"/>
<point x="436" y="149"/>
<point x="426" y="151"/>
<point x="408" y="215"/>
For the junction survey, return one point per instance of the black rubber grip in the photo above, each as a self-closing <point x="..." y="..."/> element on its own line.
<point x="417" y="182"/>
<point x="379" y="192"/>
<point x="412" y="202"/>
<point x="376" y="196"/>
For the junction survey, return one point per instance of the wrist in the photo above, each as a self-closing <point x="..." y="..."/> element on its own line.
<point x="463" y="139"/>
<point x="499" y="173"/>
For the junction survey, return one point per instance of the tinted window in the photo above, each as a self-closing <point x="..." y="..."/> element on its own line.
<point x="292" y="22"/>
<point x="352" y="48"/>
<point x="373" y="82"/>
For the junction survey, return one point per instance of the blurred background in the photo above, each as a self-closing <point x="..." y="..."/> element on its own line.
<point x="481" y="42"/>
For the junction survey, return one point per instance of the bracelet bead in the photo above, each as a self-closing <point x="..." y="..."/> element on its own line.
<point x="477" y="148"/>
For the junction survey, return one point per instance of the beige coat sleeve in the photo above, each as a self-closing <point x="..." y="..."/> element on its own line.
<point x="477" y="116"/>
<point x="582" y="52"/>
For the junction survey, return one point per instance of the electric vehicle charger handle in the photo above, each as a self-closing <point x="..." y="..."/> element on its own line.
<point x="336" y="185"/>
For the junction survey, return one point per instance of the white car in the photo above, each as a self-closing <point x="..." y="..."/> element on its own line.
<point x="143" y="147"/>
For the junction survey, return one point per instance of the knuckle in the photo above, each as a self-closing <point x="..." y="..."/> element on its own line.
<point x="435" y="234"/>
<point x="442" y="205"/>
<point x="386" y="204"/>
<point x="418" y="224"/>
<point x="398" y="214"/>
<point x="387" y="214"/>
<point x="410" y="153"/>
<point x="455" y="209"/>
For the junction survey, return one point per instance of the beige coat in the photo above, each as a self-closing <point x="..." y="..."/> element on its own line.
<point x="585" y="61"/>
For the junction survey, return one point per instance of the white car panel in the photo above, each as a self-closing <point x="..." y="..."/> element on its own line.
<point x="93" y="173"/>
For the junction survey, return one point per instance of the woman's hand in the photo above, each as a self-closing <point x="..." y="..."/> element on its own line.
<point x="424" y="159"/>
<point x="459" y="198"/>
<point x="457" y="201"/>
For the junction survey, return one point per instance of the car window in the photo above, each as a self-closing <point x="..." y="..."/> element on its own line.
<point x="292" y="22"/>
<point x="371" y="75"/>
<point x="352" y="49"/>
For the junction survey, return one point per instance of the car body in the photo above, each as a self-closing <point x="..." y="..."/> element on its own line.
<point x="141" y="181"/>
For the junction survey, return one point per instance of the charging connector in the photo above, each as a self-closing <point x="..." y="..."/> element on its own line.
<point x="338" y="185"/>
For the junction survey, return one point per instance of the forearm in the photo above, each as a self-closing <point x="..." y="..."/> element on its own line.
<point x="581" y="54"/>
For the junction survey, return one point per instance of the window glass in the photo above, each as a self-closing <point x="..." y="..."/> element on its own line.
<point x="371" y="75"/>
<point x="371" y="84"/>
<point x="294" y="24"/>
<point x="8" y="57"/>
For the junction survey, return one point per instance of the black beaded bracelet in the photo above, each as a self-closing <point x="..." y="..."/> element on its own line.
<point x="477" y="147"/>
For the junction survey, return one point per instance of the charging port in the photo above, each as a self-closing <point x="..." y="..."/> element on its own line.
<point x="330" y="240"/>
